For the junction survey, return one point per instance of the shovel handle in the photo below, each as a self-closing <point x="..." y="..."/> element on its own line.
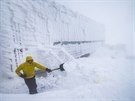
<point x="55" y="69"/>
<point x="61" y="68"/>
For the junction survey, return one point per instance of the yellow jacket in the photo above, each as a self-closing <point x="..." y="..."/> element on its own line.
<point x="28" y="69"/>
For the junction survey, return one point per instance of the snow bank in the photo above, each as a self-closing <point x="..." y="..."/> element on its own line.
<point x="27" y="24"/>
<point x="97" y="79"/>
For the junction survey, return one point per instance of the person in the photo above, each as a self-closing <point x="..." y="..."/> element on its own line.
<point x="26" y="70"/>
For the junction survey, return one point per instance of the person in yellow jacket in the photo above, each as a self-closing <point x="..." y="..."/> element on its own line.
<point x="26" y="70"/>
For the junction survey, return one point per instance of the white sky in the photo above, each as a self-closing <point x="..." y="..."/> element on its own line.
<point x="116" y="15"/>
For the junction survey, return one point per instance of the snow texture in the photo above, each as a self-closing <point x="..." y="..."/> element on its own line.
<point x="107" y="78"/>
<point x="53" y="34"/>
<point x="43" y="27"/>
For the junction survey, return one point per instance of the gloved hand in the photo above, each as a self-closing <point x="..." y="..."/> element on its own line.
<point x="48" y="70"/>
<point x="23" y="76"/>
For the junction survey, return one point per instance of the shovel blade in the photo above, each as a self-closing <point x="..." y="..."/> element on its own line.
<point x="61" y="67"/>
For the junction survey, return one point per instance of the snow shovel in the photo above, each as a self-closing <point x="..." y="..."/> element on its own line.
<point x="60" y="68"/>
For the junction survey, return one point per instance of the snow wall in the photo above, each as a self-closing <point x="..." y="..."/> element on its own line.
<point x="48" y="31"/>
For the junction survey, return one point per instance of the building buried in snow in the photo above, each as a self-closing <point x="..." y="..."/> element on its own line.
<point x="28" y="24"/>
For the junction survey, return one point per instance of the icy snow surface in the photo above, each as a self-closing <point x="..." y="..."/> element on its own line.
<point x="27" y="24"/>
<point x="105" y="76"/>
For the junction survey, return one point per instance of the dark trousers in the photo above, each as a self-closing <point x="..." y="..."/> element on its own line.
<point x="31" y="84"/>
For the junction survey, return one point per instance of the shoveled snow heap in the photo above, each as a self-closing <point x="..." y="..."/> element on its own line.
<point x="105" y="76"/>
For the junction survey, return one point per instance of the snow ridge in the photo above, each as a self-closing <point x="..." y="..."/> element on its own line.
<point x="27" y="24"/>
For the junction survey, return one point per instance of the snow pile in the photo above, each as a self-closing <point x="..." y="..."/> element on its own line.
<point x="51" y="57"/>
<point x="26" y="24"/>
<point x="97" y="79"/>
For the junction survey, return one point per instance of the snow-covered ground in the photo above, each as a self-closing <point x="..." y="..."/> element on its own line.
<point x="104" y="76"/>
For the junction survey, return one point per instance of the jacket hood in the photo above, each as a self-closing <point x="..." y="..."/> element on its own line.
<point x="29" y="58"/>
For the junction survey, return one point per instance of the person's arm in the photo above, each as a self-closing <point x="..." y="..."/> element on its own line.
<point x="18" y="70"/>
<point x="42" y="67"/>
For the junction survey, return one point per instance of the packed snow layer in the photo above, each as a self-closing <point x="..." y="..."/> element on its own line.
<point x="107" y="78"/>
<point x="27" y="24"/>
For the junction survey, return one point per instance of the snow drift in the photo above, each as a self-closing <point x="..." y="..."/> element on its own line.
<point x="26" y="25"/>
<point x="95" y="78"/>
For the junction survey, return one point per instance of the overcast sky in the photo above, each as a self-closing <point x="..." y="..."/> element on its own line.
<point x="116" y="15"/>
